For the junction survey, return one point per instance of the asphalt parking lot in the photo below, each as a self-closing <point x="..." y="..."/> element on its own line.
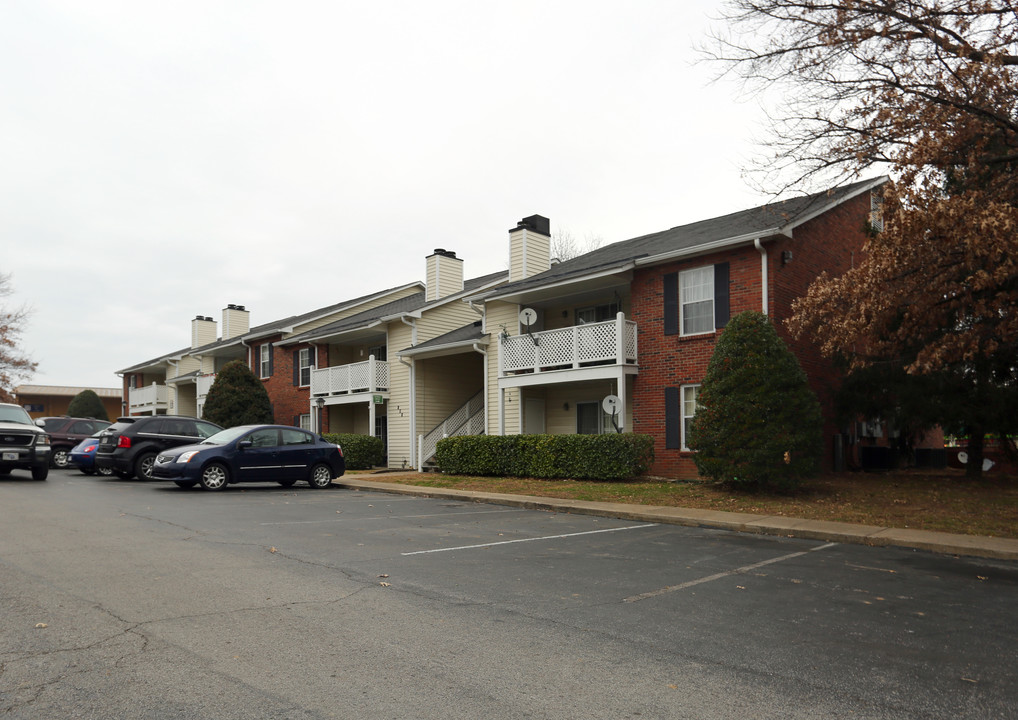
<point x="640" y="619"/>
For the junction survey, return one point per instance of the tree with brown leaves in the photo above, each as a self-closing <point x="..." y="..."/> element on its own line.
<point x="14" y="364"/>
<point x="929" y="90"/>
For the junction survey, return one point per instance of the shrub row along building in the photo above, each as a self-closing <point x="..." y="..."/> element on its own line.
<point x="537" y="348"/>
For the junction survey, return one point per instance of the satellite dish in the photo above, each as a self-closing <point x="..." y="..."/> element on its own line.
<point x="528" y="316"/>
<point x="963" y="457"/>
<point x="612" y="404"/>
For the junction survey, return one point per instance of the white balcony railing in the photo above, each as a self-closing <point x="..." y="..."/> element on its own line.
<point x="466" y="420"/>
<point x="150" y="397"/>
<point x="368" y="376"/>
<point x="611" y="342"/>
<point x="204" y="383"/>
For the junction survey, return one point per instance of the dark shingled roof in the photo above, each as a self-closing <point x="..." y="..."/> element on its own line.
<point x="467" y="334"/>
<point x="403" y="305"/>
<point x="763" y="219"/>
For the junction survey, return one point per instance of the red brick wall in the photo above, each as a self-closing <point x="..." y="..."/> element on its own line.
<point x="827" y="242"/>
<point x="288" y="400"/>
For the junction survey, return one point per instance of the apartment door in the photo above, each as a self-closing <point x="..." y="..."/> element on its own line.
<point x="533" y="416"/>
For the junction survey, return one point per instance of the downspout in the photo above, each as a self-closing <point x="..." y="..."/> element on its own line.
<point x="413" y="328"/>
<point x="484" y="354"/>
<point x="763" y="272"/>
<point x="412" y="410"/>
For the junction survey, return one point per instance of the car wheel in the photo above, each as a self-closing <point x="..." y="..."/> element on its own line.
<point x="184" y="483"/>
<point x="105" y="471"/>
<point x="59" y="457"/>
<point x="215" y="477"/>
<point x="40" y="472"/>
<point x="143" y="466"/>
<point x="320" y="477"/>
<point x="286" y="483"/>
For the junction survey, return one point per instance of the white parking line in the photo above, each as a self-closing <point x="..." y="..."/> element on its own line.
<point x="395" y="517"/>
<point x="522" y="540"/>
<point x="718" y="576"/>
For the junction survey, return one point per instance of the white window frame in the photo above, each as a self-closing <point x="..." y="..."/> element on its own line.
<point x="696" y="286"/>
<point x="305" y="422"/>
<point x="306" y="362"/>
<point x="264" y="356"/>
<point x="686" y="416"/>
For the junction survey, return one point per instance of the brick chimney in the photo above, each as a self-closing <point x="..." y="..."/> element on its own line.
<point x="529" y="247"/>
<point x="444" y="275"/>
<point x="203" y="331"/>
<point x="236" y="321"/>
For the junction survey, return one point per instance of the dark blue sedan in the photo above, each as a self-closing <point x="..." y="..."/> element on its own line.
<point x="252" y="453"/>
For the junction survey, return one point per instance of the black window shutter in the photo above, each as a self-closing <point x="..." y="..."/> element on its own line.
<point x="671" y="290"/>
<point x="296" y="367"/>
<point x="271" y="353"/>
<point x="296" y="420"/>
<point x="722" y="309"/>
<point x="673" y="419"/>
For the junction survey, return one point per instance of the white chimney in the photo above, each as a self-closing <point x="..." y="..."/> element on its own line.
<point x="236" y="321"/>
<point x="444" y="275"/>
<point x="529" y="247"/>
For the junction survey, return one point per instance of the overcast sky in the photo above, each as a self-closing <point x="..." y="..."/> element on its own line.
<point x="162" y="160"/>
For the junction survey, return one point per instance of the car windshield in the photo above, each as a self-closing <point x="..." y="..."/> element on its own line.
<point x="225" y="436"/>
<point x="15" y="414"/>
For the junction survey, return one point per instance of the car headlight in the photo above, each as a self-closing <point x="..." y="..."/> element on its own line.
<point x="186" y="457"/>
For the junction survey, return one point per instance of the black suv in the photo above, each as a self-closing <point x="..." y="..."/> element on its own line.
<point x="23" y="444"/>
<point x="66" y="432"/>
<point x="129" y="446"/>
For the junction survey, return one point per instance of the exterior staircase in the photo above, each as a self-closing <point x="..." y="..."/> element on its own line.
<point x="465" y="420"/>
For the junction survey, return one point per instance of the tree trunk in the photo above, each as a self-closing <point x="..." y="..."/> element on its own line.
<point x="974" y="467"/>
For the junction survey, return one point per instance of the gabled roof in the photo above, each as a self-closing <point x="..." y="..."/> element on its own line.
<point x="268" y="329"/>
<point x="410" y="305"/>
<point x="777" y="218"/>
<point x="465" y="336"/>
<point x="65" y="390"/>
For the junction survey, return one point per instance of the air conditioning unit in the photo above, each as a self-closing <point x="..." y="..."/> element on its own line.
<point x="869" y="429"/>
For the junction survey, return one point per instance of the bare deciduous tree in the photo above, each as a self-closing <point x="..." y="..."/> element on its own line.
<point x="14" y="364"/>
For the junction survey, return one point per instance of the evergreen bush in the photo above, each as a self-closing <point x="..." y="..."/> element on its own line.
<point x="361" y="452"/>
<point x="237" y="397"/>
<point x="580" y="457"/>
<point x="87" y="404"/>
<point x="757" y="421"/>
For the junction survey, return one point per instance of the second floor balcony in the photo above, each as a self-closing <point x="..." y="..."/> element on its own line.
<point x="204" y="383"/>
<point x="370" y="376"/>
<point x="148" y="399"/>
<point x="572" y="348"/>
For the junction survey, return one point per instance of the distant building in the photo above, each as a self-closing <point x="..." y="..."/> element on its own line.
<point x="53" y="400"/>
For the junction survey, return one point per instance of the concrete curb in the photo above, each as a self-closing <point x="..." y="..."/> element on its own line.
<point x="938" y="542"/>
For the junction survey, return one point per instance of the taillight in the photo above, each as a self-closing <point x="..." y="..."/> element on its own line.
<point x="123" y="442"/>
<point x="338" y="447"/>
<point x="89" y="448"/>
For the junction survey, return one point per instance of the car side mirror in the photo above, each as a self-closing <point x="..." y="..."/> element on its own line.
<point x="244" y="444"/>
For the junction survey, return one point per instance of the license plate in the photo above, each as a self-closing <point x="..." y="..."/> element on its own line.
<point x="11" y="456"/>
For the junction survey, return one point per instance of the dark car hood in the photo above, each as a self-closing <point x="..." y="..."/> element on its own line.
<point x="181" y="449"/>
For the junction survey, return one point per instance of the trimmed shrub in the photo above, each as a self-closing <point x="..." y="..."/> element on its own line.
<point x="757" y="421"/>
<point x="237" y="397"/>
<point x="87" y="404"/>
<point x="580" y="457"/>
<point x="361" y="452"/>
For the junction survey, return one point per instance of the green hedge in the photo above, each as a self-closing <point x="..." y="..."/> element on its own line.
<point x="361" y="452"/>
<point x="580" y="457"/>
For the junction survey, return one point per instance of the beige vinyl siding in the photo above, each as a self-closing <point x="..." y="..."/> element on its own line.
<point x="442" y="319"/>
<point x="529" y="254"/>
<point x="350" y="419"/>
<point x="187" y="364"/>
<point x="399" y="396"/>
<point x="499" y="314"/>
<point x="186" y="401"/>
<point x="444" y="384"/>
<point x="562" y="421"/>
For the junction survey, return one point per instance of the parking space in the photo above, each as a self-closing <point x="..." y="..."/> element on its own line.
<point x="900" y="626"/>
